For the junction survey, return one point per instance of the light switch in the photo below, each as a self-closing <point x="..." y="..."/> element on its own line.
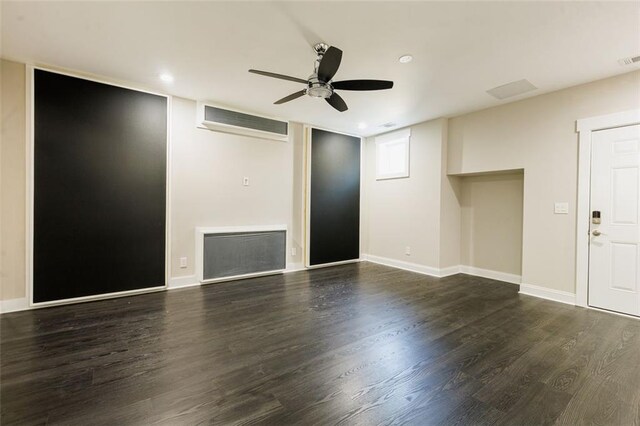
<point x="561" y="208"/>
<point x="245" y="181"/>
<point x="183" y="262"/>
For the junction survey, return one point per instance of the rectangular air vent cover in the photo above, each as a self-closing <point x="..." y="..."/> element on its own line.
<point x="231" y="121"/>
<point x="512" y="89"/>
<point x="231" y="253"/>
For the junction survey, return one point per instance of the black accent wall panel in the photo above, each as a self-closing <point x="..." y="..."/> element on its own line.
<point x="99" y="188"/>
<point x="334" y="198"/>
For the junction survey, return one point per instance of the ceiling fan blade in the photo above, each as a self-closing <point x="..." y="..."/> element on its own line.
<point x="362" y="84"/>
<point x="280" y="76"/>
<point x="291" y="97"/>
<point x="329" y="64"/>
<point x="337" y="102"/>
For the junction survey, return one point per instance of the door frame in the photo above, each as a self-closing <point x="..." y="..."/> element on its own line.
<point x="307" y="196"/>
<point x="585" y="128"/>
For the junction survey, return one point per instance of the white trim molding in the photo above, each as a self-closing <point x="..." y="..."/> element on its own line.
<point x="548" y="293"/>
<point x="444" y="272"/>
<point x="295" y="267"/>
<point x="14" y="305"/>
<point x="413" y="267"/>
<point x="494" y="275"/>
<point x="183" y="282"/>
<point x="338" y="263"/>
<point x="585" y="128"/>
<point x="96" y="297"/>
<point x="448" y="271"/>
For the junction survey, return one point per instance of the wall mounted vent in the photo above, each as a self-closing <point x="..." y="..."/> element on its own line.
<point x="630" y="60"/>
<point x="240" y="123"/>
<point x="230" y="253"/>
<point x="514" y="88"/>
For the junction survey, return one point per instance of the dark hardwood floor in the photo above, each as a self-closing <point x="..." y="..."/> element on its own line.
<point x="355" y="344"/>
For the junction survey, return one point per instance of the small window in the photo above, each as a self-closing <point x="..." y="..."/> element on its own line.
<point x="392" y="155"/>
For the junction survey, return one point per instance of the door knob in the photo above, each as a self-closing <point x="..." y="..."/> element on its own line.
<point x="596" y="233"/>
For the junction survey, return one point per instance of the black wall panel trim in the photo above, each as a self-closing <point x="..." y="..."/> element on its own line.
<point x="99" y="188"/>
<point x="335" y="198"/>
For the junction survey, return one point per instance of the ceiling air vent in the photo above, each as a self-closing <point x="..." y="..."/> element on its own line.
<point x="630" y="60"/>
<point x="240" y="123"/>
<point x="512" y="89"/>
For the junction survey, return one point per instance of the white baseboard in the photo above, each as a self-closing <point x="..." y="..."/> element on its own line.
<point x="14" y="305"/>
<point x="295" y="267"/>
<point x="549" y="294"/>
<point x="494" y="275"/>
<point x="444" y="272"/>
<point x="182" y="282"/>
<point x="451" y="270"/>
<point x="192" y="280"/>
<point x="528" y="289"/>
<point x="408" y="266"/>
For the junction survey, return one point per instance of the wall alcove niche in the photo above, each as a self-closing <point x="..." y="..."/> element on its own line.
<point x="491" y="214"/>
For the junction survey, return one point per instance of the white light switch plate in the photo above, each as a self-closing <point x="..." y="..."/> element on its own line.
<point x="561" y="208"/>
<point x="183" y="262"/>
<point x="245" y="181"/>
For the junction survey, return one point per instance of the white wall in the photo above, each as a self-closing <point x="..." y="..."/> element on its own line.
<point x="491" y="222"/>
<point x="406" y="212"/>
<point x="207" y="169"/>
<point x="539" y="135"/>
<point x="449" y="210"/>
<point x="12" y="181"/>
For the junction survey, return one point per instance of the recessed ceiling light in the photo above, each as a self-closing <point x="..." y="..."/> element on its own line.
<point x="405" y="59"/>
<point x="167" y="78"/>
<point x="362" y="126"/>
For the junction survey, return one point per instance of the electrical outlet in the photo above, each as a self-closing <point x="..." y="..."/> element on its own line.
<point x="245" y="181"/>
<point x="183" y="262"/>
<point x="294" y="251"/>
<point x="407" y="251"/>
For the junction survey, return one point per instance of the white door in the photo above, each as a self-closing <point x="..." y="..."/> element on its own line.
<point x="614" y="260"/>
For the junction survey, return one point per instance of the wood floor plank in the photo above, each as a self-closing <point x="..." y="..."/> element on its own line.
<point x="352" y="344"/>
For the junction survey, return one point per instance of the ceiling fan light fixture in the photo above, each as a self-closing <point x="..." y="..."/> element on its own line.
<point x="318" y="89"/>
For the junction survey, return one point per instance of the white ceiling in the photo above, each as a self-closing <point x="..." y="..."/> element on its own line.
<point x="460" y="50"/>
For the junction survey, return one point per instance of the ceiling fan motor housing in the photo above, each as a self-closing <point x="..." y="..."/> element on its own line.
<point x="318" y="89"/>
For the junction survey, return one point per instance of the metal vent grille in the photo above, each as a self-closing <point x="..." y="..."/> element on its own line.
<point x="242" y="253"/>
<point x="247" y="121"/>
<point x="629" y="61"/>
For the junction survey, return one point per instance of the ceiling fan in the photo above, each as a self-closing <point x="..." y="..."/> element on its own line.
<point x="320" y="84"/>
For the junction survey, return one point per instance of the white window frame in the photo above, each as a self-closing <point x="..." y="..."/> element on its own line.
<point x="402" y="137"/>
